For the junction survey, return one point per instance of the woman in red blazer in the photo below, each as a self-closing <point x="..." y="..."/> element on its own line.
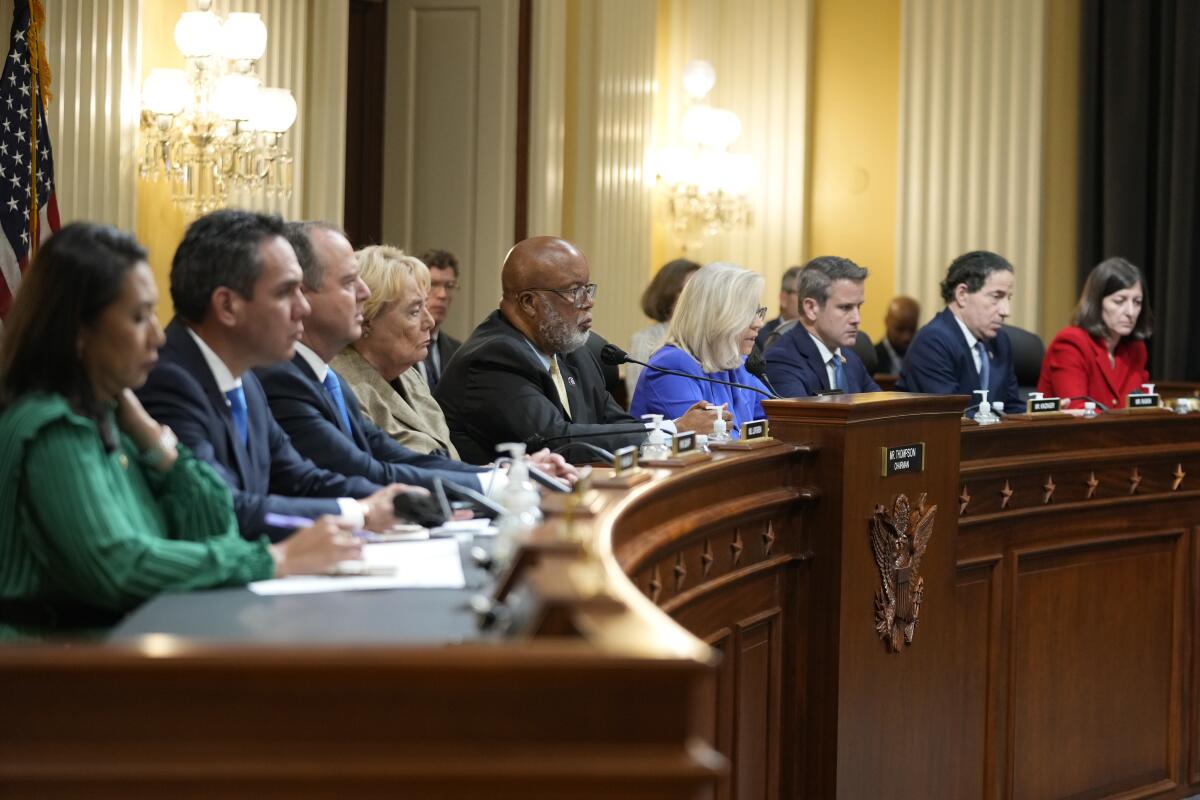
<point x="1102" y="354"/>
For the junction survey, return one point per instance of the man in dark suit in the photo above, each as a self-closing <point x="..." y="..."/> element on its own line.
<point x="789" y="306"/>
<point x="817" y="354"/>
<point x="310" y="401"/>
<point x="900" y="325"/>
<point x="524" y="374"/>
<point x="235" y="284"/>
<point x="963" y="348"/>
<point x="443" y="283"/>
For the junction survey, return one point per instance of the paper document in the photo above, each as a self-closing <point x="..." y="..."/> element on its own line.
<point x="429" y="564"/>
<point x="479" y="526"/>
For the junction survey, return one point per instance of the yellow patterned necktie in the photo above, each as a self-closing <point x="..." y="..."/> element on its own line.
<point x="556" y="375"/>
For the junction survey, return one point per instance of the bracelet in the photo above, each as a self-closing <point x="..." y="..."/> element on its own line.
<point x="162" y="449"/>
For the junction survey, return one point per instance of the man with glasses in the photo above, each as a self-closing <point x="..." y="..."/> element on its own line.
<point x="789" y="305"/>
<point x="443" y="283"/>
<point x="524" y="375"/>
<point x="817" y="355"/>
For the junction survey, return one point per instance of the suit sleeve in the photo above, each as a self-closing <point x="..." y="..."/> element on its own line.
<point x="788" y="374"/>
<point x="503" y="402"/>
<point x="929" y="367"/>
<point x="1064" y="368"/>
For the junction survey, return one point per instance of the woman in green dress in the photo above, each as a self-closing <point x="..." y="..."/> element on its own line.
<point x="100" y="507"/>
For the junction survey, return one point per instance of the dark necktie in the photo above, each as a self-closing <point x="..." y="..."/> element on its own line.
<point x="334" y="387"/>
<point x="237" y="409"/>
<point x="432" y="374"/>
<point x="985" y="369"/>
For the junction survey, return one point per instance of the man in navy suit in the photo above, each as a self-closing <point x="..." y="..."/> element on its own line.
<point x="235" y="284"/>
<point x="818" y="355"/>
<point x="963" y="348"/>
<point x="309" y="399"/>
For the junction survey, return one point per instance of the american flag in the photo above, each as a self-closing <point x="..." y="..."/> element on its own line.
<point x="26" y="171"/>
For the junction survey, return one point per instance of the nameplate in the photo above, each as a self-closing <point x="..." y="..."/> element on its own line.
<point x="625" y="460"/>
<point x="683" y="443"/>
<point x="1046" y="405"/>
<point x="754" y="429"/>
<point x="1143" y="401"/>
<point x="905" y="458"/>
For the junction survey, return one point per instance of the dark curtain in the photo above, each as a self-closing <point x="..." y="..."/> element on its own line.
<point x="1140" y="161"/>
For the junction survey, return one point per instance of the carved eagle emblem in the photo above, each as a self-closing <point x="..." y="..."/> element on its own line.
<point x="899" y="536"/>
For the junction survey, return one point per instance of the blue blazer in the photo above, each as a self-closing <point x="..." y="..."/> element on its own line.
<point x="266" y="475"/>
<point x="671" y="395"/>
<point x="795" y="368"/>
<point x="939" y="362"/>
<point x="307" y="414"/>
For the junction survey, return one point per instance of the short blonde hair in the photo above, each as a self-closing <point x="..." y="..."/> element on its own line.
<point x="387" y="272"/>
<point x="716" y="305"/>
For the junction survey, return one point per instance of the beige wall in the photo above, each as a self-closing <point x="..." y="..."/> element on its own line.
<point x="855" y="122"/>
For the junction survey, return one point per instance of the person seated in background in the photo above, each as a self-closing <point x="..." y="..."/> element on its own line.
<point x="443" y="284"/>
<point x="817" y="355"/>
<point x="711" y="332"/>
<point x="900" y="325"/>
<point x="235" y="284"/>
<point x="309" y="399"/>
<point x="99" y="507"/>
<point x="658" y="303"/>
<point x="963" y="348"/>
<point x="1102" y="354"/>
<point x="789" y="308"/>
<point x="525" y="375"/>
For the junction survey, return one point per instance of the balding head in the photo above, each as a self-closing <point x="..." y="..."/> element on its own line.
<point x="538" y="278"/>
<point x="903" y="314"/>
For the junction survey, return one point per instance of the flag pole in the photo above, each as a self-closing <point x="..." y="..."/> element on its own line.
<point x="35" y="50"/>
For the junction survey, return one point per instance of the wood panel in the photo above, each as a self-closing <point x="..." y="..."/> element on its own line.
<point x="1094" y="667"/>
<point x="976" y="591"/>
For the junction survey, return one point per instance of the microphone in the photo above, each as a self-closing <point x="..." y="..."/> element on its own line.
<point x="756" y="365"/>
<point x="612" y="355"/>
<point x="604" y="455"/>
<point x="537" y="441"/>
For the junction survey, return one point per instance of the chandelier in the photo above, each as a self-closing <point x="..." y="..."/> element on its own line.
<point x="704" y="185"/>
<point x="213" y="127"/>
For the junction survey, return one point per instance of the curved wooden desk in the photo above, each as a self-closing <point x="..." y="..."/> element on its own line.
<point x="1055" y="653"/>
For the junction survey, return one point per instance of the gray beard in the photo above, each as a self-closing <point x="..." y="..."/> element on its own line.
<point x="558" y="333"/>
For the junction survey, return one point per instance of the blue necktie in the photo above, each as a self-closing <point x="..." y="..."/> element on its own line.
<point x="985" y="369"/>
<point x="237" y="409"/>
<point x="334" y="387"/>
<point x="839" y="373"/>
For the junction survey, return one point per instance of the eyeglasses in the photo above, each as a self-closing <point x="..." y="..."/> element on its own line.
<point x="449" y="286"/>
<point x="578" y="295"/>
<point x="761" y="313"/>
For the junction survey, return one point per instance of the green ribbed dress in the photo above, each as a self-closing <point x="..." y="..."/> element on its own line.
<point x="85" y="528"/>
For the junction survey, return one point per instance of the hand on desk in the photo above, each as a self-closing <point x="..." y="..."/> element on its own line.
<point x="316" y="549"/>
<point x="554" y="464"/>
<point x="701" y="416"/>
<point x="379" y="510"/>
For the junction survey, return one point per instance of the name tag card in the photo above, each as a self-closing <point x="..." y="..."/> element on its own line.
<point x="683" y="443"/>
<point x="1044" y="405"/>
<point x="625" y="459"/>
<point x="1143" y="401"/>
<point x="903" y="458"/>
<point x="755" y="429"/>
<point x="626" y="471"/>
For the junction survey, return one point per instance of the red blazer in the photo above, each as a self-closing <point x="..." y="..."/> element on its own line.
<point x="1076" y="363"/>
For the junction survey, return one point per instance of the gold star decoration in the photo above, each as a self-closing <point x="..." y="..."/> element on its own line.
<point x="963" y="499"/>
<point x="1178" y="475"/>
<point x="1048" y="489"/>
<point x="1005" y="495"/>
<point x="1092" y="485"/>
<point x="680" y="572"/>
<point x="735" y="547"/>
<point x="706" y="558"/>
<point x="1135" y="480"/>
<point x="768" y="538"/>
<point x="655" y="586"/>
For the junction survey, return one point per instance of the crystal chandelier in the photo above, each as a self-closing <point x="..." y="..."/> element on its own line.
<point x="704" y="185"/>
<point x="213" y="127"/>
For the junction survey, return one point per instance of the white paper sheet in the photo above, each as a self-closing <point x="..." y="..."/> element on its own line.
<point x="430" y="564"/>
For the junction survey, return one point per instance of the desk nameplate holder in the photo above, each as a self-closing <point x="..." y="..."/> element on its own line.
<point x="625" y="471"/>
<point x="1042" y="408"/>
<point x="754" y="436"/>
<point x="1140" y="403"/>
<point x="683" y="452"/>
<point x="582" y="501"/>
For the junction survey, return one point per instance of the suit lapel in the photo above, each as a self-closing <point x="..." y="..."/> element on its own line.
<point x="964" y="350"/>
<point x="808" y="349"/>
<point x="181" y="340"/>
<point x="1114" y="374"/>
<point x="575" y="397"/>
